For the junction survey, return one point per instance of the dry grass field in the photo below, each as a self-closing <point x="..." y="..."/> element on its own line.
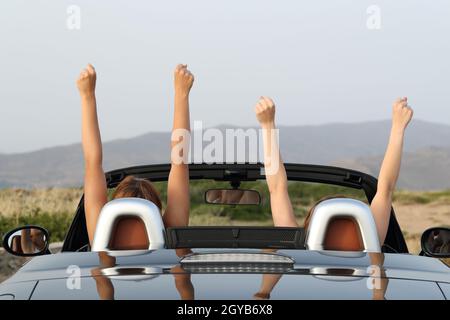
<point x="15" y="202"/>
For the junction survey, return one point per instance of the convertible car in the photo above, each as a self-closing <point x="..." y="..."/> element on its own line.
<point x="232" y="262"/>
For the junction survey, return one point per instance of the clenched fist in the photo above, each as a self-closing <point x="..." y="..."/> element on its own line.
<point x="183" y="79"/>
<point x="265" y="111"/>
<point x="401" y="113"/>
<point x="86" y="81"/>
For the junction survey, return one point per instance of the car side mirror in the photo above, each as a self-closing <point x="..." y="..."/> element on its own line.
<point x="435" y="242"/>
<point x="27" y="241"/>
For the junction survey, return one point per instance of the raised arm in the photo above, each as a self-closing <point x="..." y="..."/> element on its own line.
<point x="178" y="198"/>
<point x="390" y="168"/>
<point x="280" y="203"/>
<point x="95" y="192"/>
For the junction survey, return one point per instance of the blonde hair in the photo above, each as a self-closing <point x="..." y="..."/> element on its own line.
<point x="311" y="210"/>
<point x="130" y="232"/>
<point x="132" y="187"/>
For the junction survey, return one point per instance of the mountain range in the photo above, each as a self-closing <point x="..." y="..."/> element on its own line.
<point x="426" y="162"/>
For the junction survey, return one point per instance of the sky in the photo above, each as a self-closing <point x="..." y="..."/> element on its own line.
<point x="318" y="60"/>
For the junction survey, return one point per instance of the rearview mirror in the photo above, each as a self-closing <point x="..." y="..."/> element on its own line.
<point x="232" y="197"/>
<point x="436" y="242"/>
<point x="27" y="241"/>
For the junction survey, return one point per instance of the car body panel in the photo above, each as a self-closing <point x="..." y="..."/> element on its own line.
<point x="323" y="275"/>
<point x="17" y="290"/>
<point x="238" y="286"/>
<point x="445" y="287"/>
<point x="403" y="266"/>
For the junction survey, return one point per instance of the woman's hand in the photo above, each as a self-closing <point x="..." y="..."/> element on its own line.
<point x="183" y="79"/>
<point x="86" y="81"/>
<point x="401" y="114"/>
<point x="95" y="190"/>
<point x="178" y="199"/>
<point x="265" y="111"/>
<point x="381" y="205"/>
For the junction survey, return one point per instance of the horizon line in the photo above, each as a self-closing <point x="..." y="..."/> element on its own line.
<point x="224" y="125"/>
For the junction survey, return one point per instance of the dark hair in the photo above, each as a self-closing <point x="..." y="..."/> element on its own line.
<point x="132" y="187"/>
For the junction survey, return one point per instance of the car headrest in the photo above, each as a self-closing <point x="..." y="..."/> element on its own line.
<point x="117" y="209"/>
<point x="330" y="209"/>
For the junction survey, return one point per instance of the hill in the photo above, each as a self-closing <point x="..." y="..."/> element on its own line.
<point x="354" y="145"/>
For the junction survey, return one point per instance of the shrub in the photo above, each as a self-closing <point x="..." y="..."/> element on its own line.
<point x="56" y="224"/>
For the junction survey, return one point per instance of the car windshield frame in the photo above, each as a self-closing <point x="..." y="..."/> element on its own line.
<point x="77" y="234"/>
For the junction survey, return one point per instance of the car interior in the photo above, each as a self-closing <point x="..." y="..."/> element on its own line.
<point x="227" y="189"/>
<point x="232" y="237"/>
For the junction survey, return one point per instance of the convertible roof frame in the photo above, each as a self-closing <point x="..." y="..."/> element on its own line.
<point x="77" y="235"/>
<point x="251" y="172"/>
